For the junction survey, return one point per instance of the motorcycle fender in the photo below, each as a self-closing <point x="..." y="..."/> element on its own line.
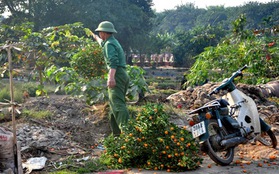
<point x="248" y="115"/>
<point x="264" y="126"/>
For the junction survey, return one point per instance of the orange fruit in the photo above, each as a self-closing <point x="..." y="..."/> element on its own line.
<point x="181" y="139"/>
<point x="166" y="132"/>
<point x="209" y="165"/>
<point x="119" y="160"/>
<point x="167" y="147"/>
<point x="260" y="164"/>
<point x="122" y="147"/>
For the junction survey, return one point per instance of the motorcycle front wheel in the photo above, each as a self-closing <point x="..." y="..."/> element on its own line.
<point x="218" y="154"/>
<point x="268" y="139"/>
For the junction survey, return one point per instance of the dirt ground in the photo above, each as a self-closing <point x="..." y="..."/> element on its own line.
<point x="253" y="159"/>
<point x="87" y="126"/>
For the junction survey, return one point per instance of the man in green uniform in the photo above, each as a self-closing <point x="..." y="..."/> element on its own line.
<point x="118" y="79"/>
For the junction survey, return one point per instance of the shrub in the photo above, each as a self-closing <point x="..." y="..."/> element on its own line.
<point x="30" y="87"/>
<point x="150" y="141"/>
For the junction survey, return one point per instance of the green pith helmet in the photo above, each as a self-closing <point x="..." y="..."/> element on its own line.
<point x="106" y="26"/>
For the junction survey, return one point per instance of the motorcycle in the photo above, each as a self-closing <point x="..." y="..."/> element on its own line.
<point x="222" y="124"/>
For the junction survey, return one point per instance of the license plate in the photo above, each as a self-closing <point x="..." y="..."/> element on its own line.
<point x="198" y="129"/>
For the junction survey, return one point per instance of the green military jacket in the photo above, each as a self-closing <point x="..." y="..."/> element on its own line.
<point x="114" y="54"/>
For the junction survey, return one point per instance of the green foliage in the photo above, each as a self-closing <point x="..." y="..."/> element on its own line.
<point x="93" y="86"/>
<point x="150" y="141"/>
<point x="259" y="52"/>
<point x="137" y="84"/>
<point x="93" y="89"/>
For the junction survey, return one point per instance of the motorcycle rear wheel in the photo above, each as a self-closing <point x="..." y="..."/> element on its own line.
<point x="219" y="155"/>
<point x="268" y="139"/>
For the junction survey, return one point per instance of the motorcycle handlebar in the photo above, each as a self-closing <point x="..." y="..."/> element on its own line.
<point x="243" y="68"/>
<point x="235" y="74"/>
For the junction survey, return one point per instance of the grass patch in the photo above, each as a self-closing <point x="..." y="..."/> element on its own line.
<point x="63" y="172"/>
<point x="42" y="114"/>
<point x="5" y="94"/>
<point x="20" y="87"/>
<point x="69" y="166"/>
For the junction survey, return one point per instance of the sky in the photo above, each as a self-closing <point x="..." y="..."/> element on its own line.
<point x="161" y="5"/>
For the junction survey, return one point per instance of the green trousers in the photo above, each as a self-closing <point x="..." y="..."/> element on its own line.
<point x="119" y="112"/>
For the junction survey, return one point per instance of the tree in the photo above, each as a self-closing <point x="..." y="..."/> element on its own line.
<point x="183" y="18"/>
<point x="46" y="13"/>
<point x="191" y="43"/>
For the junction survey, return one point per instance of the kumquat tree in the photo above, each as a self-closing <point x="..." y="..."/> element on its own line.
<point x="141" y="145"/>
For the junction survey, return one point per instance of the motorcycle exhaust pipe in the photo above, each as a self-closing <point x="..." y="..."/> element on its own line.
<point x="233" y="142"/>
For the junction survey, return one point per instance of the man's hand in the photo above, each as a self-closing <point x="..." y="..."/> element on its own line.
<point x="97" y="38"/>
<point x="111" y="83"/>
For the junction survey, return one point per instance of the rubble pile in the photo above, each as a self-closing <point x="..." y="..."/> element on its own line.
<point x="72" y="123"/>
<point x="39" y="137"/>
<point x="192" y="98"/>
